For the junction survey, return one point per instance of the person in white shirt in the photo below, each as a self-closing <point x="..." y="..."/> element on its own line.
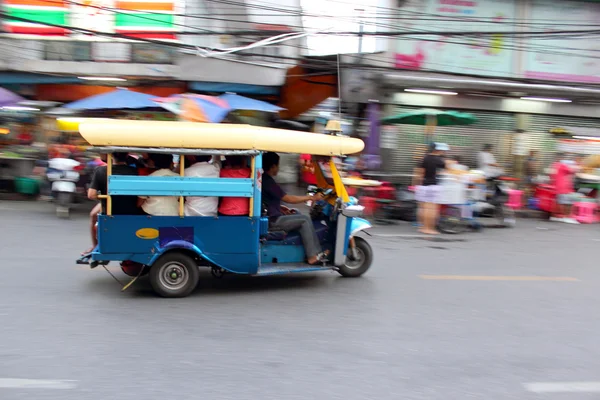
<point x="161" y="205"/>
<point x="486" y="162"/>
<point x="203" y="168"/>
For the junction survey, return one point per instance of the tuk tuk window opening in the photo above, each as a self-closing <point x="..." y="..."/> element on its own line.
<point x="181" y="174"/>
<point x="253" y="175"/>
<point x="109" y="162"/>
<point x="180" y="151"/>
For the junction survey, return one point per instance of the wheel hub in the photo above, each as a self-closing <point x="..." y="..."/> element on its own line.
<point x="173" y="276"/>
<point x="355" y="262"/>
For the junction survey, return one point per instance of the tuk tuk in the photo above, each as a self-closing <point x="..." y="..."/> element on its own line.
<point x="171" y="249"/>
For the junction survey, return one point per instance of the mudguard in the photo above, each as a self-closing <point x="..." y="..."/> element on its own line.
<point x="359" y="224"/>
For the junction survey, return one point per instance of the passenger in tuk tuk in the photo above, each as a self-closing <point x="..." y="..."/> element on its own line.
<point x="203" y="167"/>
<point x="235" y="167"/>
<point x="282" y="218"/>
<point x="121" y="205"/>
<point x="160" y="205"/>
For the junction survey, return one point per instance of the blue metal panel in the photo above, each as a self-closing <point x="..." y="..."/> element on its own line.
<point x="258" y="171"/>
<point x="359" y="224"/>
<point x="229" y="242"/>
<point x="272" y="253"/>
<point x="288" y="269"/>
<point x="264" y="226"/>
<point x="23" y="78"/>
<point x="179" y="186"/>
<point x="240" y="88"/>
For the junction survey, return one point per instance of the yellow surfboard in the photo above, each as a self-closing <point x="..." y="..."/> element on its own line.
<point x="193" y="135"/>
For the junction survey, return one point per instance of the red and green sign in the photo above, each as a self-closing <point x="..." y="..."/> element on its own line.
<point x="36" y="17"/>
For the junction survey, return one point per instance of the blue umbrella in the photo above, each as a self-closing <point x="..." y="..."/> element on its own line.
<point x="202" y="108"/>
<point x="8" y="98"/>
<point x="237" y="102"/>
<point x="115" y="100"/>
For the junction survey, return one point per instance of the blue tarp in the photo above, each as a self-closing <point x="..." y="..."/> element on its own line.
<point x="115" y="100"/>
<point x="237" y="102"/>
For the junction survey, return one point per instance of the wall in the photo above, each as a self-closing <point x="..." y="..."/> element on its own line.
<point x="32" y="56"/>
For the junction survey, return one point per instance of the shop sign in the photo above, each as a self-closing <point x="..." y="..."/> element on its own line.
<point x="479" y="55"/>
<point x="60" y="50"/>
<point x="579" y="146"/>
<point x="563" y="61"/>
<point x="145" y="53"/>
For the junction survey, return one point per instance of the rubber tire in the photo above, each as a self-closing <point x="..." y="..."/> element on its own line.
<point x="365" y="247"/>
<point x="453" y="228"/>
<point x="63" y="202"/>
<point x="504" y="212"/>
<point x="187" y="262"/>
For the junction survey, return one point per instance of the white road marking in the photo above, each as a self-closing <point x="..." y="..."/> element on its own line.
<point x="13" y="383"/>
<point x="563" y="387"/>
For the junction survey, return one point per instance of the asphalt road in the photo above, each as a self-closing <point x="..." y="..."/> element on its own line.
<point x="502" y="314"/>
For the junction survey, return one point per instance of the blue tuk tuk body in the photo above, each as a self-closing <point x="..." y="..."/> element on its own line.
<point x="164" y="246"/>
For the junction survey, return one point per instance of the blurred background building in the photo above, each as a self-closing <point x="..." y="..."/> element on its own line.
<point x="523" y="68"/>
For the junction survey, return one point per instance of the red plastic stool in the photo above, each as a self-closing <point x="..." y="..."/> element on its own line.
<point x="585" y="213"/>
<point x="515" y="199"/>
<point x="369" y="203"/>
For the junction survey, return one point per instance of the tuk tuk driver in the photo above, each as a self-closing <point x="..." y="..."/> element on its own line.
<point x="284" y="219"/>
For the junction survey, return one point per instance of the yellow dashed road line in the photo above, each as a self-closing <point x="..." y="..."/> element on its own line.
<point x="498" y="278"/>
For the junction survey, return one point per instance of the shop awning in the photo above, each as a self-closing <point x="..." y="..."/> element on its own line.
<point x="240" y="88"/>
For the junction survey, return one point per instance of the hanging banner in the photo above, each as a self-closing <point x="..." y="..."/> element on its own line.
<point x="576" y="146"/>
<point x="567" y="58"/>
<point x="478" y="55"/>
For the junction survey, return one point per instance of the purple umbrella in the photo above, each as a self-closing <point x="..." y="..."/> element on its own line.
<point x="8" y="98"/>
<point x="372" y="159"/>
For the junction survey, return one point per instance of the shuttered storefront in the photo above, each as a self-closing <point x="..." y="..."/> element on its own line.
<point x="539" y="138"/>
<point x="402" y="145"/>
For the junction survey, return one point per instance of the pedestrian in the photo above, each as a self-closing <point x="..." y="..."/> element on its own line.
<point x="562" y="178"/>
<point x="486" y="162"/>
<point x="427" y="192"/>
<point x="203" y="167"/>
<point x="531" y="170"/>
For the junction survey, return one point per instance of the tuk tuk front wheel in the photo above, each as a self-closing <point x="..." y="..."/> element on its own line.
<point x="358" y="263"/>
<point x="174" y="275"/>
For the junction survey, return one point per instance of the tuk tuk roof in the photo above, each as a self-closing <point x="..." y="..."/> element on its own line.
<point x="193" y="135"/>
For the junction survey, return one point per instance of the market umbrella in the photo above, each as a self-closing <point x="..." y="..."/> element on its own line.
<point x="195" y="107"/>
<point x="430" y="117"/>
<point x="118" y="99"/>
<point x="8" y="98"/>
<point x="237" y="102"/>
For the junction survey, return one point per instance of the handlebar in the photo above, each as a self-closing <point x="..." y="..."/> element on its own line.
<point x="315" y="190"/>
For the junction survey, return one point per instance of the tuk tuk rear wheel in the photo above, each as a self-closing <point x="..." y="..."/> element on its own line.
<point x="174" y="275"/>
<point x="356" y="266"/>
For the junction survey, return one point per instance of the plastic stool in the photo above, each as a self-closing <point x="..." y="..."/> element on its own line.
<point x="585" y="213"/>
<point x="515" y="199"/>
<point x="369" y="203"/>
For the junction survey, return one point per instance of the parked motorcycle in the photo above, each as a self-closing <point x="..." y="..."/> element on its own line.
<point x="495" y="204"/>
<point x="63" y="173"/>
<point x="402" y="208"/>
